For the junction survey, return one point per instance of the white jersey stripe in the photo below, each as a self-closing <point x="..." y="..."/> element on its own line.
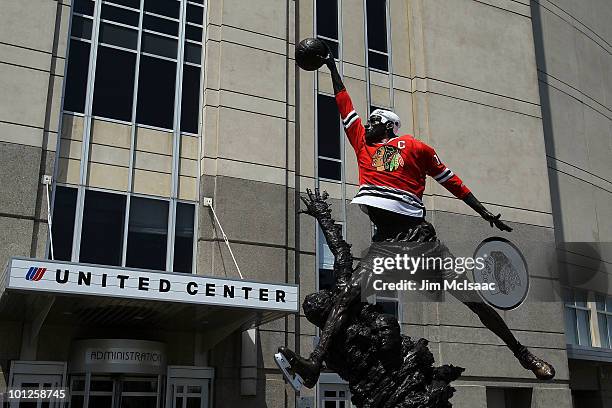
<point x="450" y="174"/>
<point x="348" y="125"/>
<point x="348" y="115"/>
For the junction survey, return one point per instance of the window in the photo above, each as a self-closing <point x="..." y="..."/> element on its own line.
<point x="147" y="234"/>
<point x="103" y="227"/>
<point x="102" y="230"/>
<point x="76" y="76"/>
<point x="378" y="55"/>
<point x="156" y="92"/>
<point x="327" y="278"/>
<point x="334" y="395"/>
<point x="183" y="238"/>
<point x="604" y="319"/>
<point x="115" y="66"/>
<point x="327" y="24"/>
<point x="64" y="211"/>
<point x="328" y="137"/>
<point x="114" y="84"/>
<point x="577" y="318"/>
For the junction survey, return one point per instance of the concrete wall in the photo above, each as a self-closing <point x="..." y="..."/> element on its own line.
<point x="574" y="71"/>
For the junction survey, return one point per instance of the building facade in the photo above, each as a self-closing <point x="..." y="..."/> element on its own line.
<point x="144" y="113"/>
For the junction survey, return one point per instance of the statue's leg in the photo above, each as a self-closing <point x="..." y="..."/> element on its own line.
<point x="310" y="368"/>
<point x="493" y="321"/>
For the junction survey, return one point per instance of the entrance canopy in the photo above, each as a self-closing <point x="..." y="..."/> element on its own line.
<point x="83" y="294"/>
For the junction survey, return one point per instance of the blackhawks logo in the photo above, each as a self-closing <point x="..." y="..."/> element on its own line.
<point x="387" y="158"/>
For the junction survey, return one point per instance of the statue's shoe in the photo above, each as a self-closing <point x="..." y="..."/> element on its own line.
<point x="541" y="369"/>
<point x="307" y="369"/>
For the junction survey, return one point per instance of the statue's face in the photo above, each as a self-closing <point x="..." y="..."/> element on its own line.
<point x="389" y="336"/>
<point x="375" y="130"/>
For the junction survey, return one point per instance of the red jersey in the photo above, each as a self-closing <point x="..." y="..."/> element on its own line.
<point x="392" y="174"/>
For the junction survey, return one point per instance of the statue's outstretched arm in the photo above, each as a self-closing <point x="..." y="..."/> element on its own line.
<point x="317" y="207"/>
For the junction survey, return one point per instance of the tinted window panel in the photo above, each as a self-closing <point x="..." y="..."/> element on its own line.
<point x="193" y="53"/>
<point x="326" y="279"/>
<point x="83" y="7"/>
<point x="64" y="211"/>
<point x="158" y="45"/>
<point x="81" y="27"/>
<point x="147" y="234"/>
<point x="119" y="15"/>
<point x="129" y="3"/>
<point x="114" y="84"/>
<point x="328" y="127"/>
<point x="377" y="25"/>
<point x="76" y="76"/>
<point x="378" y="61"/>
<point x="333" y="46"/>
<point x="168" y="8"/>
<point x="160" y="25"/>
<point x="195" y="14"/>
<point x="120" y="36"/>
<point x="329" y="169"/>
<point x="183" y="241"/>
<point x="193" y="33"/>
<point x="156" y="92"/>
<point x="102" y="231"/>
<point x="327" y="18"/>
<point x="190" y="103"/>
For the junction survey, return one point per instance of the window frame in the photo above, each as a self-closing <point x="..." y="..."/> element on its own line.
<point x="388" y="32"/>
<point x="126" y="221"/>
<point x="178" y="133"/>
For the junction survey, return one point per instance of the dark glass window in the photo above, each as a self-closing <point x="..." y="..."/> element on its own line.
<point x="193" y="53"/>
<point x="389" y="307"/>
<point x="114" y="85"/>
<point x="326" y="279"/>
<point x="193" y="33"/>
<point x="83" y="7"/>
<point x="76" y="76"/>
<point x="81" y="27"/>
<point x="327" y="23"/>
<point x="377" y="25"/>
<point x="333" y="46"/>
<point x="64" y="211"/>
<point x="102" y="230"/>
<point x="378" y="61"/>
<point x="183" y="241"/>
<point x="156" y="92"/>
<point x="117" y="35"/>
<point x="327" y="18"/>
<point x="190" y="103"/>
<point x="328" y="127"/>
<point x="119" y="15"/>
<point x="161" y="25"/>
<point x="147" y="234"/>
<point x="159" y="45"/>
<point x="168" y="8"/>
<point x="195" y="14"/>
<point x="330" y="169"/>
<point x="129" y="3"/>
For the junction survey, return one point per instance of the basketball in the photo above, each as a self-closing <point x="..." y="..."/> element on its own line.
<point x="309" y="54"/>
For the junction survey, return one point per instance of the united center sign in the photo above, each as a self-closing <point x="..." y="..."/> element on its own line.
<point x="82" y="279"/>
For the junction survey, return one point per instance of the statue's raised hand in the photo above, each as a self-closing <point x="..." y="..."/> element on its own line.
<point x="316" y="205"/>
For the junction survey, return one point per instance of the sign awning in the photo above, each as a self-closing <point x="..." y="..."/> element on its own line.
<point x="105" y="295"/>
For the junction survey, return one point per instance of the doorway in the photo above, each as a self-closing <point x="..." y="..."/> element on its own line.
<point x="37" y="375"/>
<point x="114" y="391"/>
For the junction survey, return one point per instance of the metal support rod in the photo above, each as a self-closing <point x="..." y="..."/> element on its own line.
<point x="209" y="204"/>
<point x="47" y="183"/>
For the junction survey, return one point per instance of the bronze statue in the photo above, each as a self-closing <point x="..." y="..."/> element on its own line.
<point x="392" y="172"/>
